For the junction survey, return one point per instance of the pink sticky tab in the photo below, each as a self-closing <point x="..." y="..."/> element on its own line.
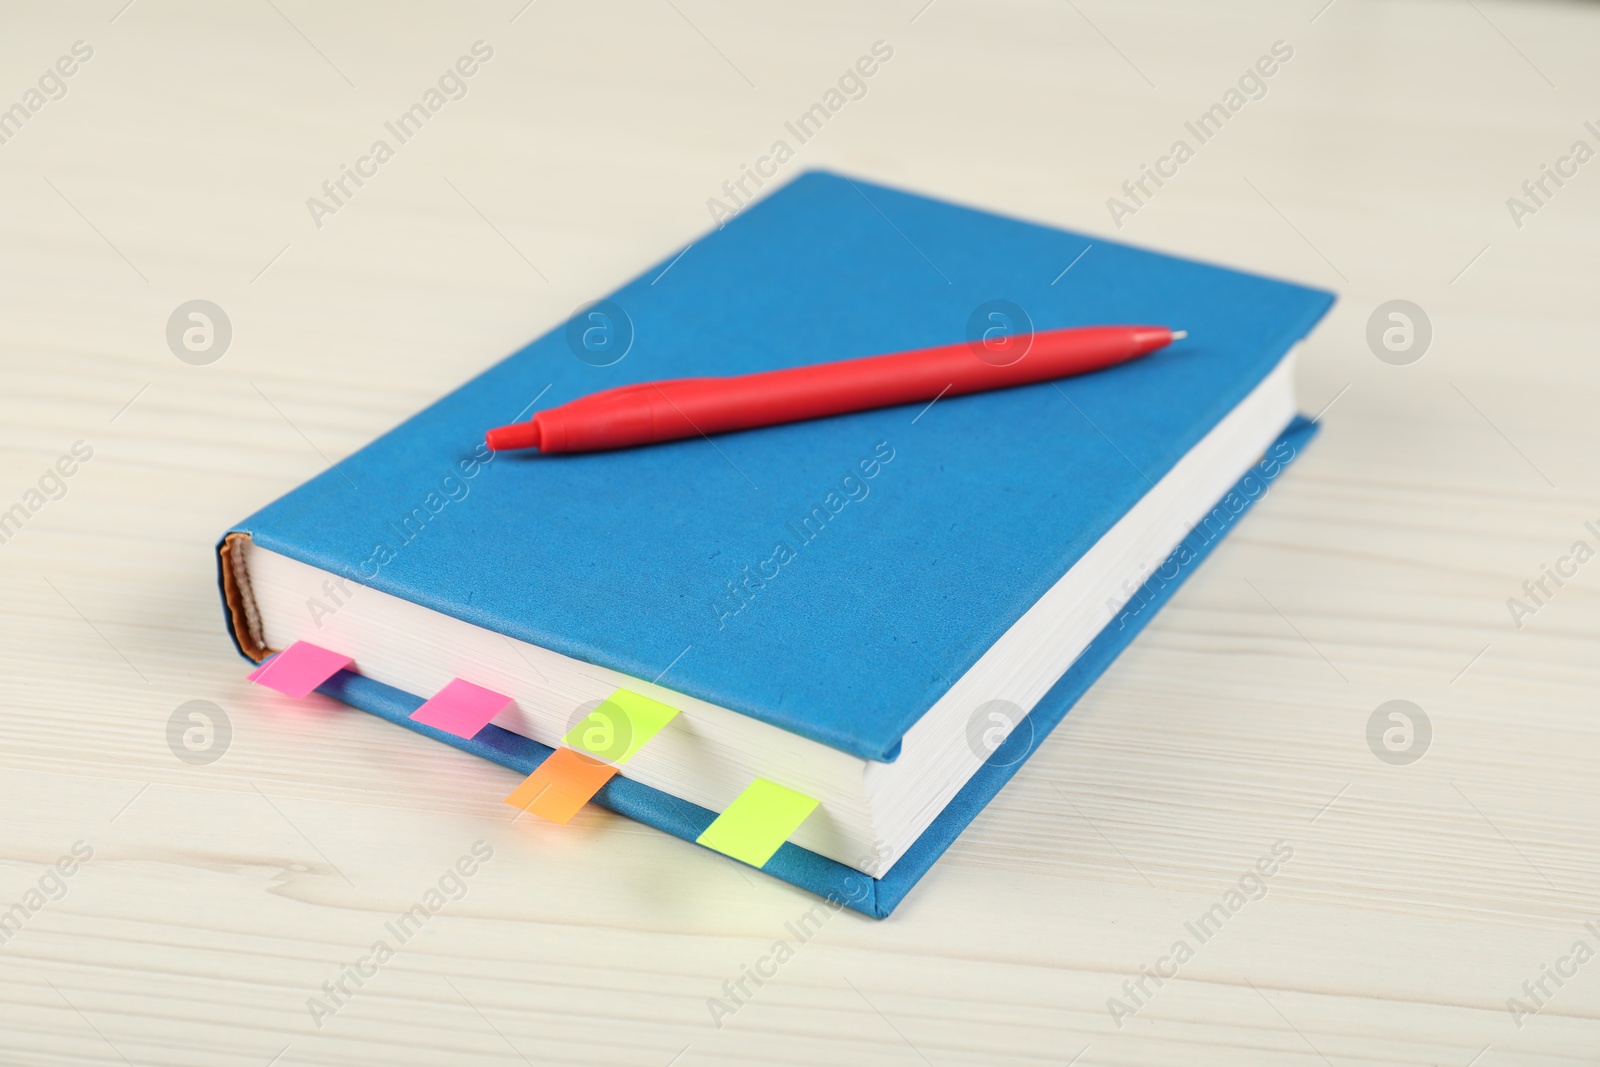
<point x="299" y="669"/>
<point x="461" y="708"/>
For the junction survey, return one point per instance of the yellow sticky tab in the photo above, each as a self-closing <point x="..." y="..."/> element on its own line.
<point x="623" y="724"/>
<point x="757" y="822"/>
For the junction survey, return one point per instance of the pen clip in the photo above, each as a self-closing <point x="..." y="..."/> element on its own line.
<point x="624" y="390"/>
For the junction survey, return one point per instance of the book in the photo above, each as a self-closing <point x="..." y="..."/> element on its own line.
<point x="885" y="612"/>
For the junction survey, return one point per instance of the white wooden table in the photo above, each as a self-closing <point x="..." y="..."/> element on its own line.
<point x="1419" y="897"/>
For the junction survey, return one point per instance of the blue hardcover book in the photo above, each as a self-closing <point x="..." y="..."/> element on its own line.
<point x="885" y="612"/>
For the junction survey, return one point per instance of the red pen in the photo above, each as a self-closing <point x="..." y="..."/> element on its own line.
<point x="650" y="412"/>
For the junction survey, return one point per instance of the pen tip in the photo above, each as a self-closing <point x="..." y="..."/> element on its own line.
<point x="518" y="435"/>
<point x="1178" y="335"/>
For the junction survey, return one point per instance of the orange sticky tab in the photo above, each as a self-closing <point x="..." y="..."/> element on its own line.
<point x="562" y="784"/>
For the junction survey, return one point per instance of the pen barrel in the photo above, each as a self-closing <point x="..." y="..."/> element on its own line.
<point x="692" y="407"/>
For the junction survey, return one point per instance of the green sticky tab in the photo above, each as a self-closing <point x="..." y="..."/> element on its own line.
<point x="757" y="822"/>
<point x="623" y="724"/>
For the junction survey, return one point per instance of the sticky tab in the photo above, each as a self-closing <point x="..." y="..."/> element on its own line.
<point x="461" y="708"/>
<point x="757" y="822"/>
<point x="561" y="785"/>
<point x="299" y="669"/>
<point x="623" y="723"/>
